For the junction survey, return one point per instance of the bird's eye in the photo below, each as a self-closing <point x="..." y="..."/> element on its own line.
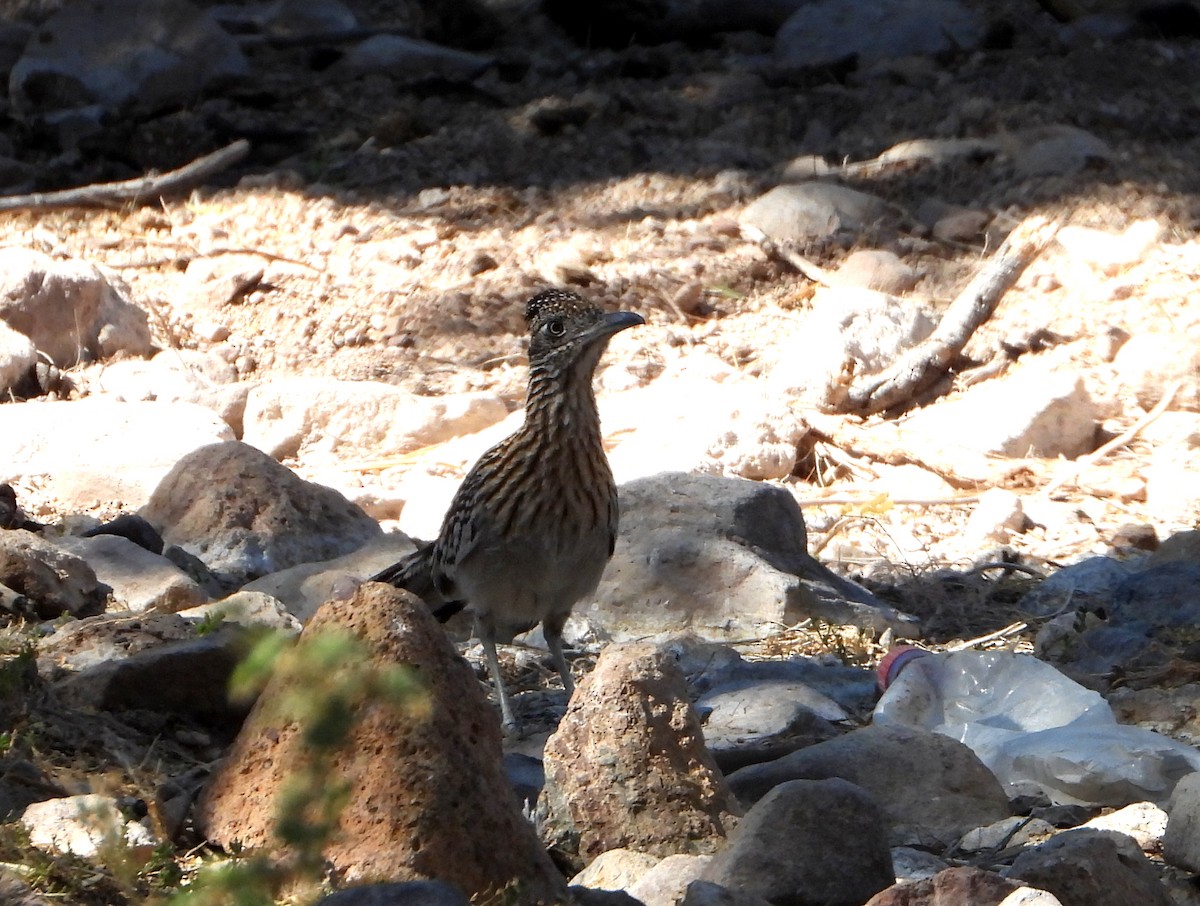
<point x="556" y="328"/>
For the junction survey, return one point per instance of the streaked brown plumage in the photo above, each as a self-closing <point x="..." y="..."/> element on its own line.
<point x="534" y="522"/>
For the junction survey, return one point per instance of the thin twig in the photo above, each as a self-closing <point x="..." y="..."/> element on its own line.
<point x="1008" y="567"/>
<point x="142" y="188"/>
<point x="1010" y="630"/>
<point x="927" y="362"/>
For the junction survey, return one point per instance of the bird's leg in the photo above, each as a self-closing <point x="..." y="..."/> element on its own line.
<point x="486" y="631"/>
<point x="552" y="628"/>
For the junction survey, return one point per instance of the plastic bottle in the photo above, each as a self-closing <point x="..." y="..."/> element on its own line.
<point x="1037" y="730"/>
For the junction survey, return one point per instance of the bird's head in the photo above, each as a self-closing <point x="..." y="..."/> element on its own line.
<point x="566" y="330"/>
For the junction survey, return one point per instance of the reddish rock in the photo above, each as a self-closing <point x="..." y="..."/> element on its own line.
<point x="628" y="767"/>
<point x="954" y="885"/>
<point x="428" y="796"/>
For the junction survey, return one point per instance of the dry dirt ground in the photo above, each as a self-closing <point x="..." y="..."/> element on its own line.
<point x="392" y="232"/>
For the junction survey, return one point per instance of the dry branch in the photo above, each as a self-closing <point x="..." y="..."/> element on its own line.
<point x="923" y="365"/>
<point x="136" y="190"/>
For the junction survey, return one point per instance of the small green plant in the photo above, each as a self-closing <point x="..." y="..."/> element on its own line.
<point x="211" y="621"/>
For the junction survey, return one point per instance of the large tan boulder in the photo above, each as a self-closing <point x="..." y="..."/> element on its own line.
<point x="428" y="796"/>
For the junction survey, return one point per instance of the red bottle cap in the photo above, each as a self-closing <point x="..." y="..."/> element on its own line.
<point x="893" y="662"/>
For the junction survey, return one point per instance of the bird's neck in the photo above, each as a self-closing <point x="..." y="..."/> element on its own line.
<point x="562" y="402"/>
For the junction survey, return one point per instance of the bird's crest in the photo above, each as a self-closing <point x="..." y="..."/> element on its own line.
<point x="555" y="302"/>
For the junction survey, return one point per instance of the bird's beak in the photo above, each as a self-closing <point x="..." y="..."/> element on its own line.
<point x="613" y="322"/>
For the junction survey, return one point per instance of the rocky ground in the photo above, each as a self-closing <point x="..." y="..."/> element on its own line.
<point x="387" y="227"/>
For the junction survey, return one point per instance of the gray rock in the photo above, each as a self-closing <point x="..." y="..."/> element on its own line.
<point x="287" y="18"/>
<point x="932" y="788"/>
<point x="913" y="864"/>
<point x="1181" y="844"/>
<point x="410" y="60"/>
<point x="828" y="32"/>
<point x="752" y="721"/>
<point x="185" y="676"/>
<point x="720" y="557"/>
<point x="1058" y="151"/>
<point x="808" y="842"/>
<point x="117" y="54"/>
<point x="245" y="515"/>
<point x="18" y="355"/>
<point x="139" y="579"/>
<point x="711" y="666"/>
<point x="305" y="587"/>
<point x="23" y="783"/>
<point x="803" y="212"/>
<point x="398" y="893"/>
<point x="1091" y="868"/>
<point x="1171" y="712"/>
<point x="54" y="581"/>
<point x="1090" y="584"/>
<point x="706" y="893"/>
<point x="68" y="309"/>
<point x="1158" y="597"/>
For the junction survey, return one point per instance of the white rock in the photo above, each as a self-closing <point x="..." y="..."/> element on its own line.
<point x="615" y="869"/>
<point x="247" y="608"/>
<point x="1151" y="361"/>
<point x="850" y="330"/>
<point x="67" y="308"/>
<point x="1031" y="896"/>
<point x="18" y="355"/>
<point x="88" y="826"/>
<point x="740" y="429"/>
<point x="1145" y="822"/>
<point x="1109" y="252"/>
<point x="998" y="515"/>
<point x="332" y="421"/>
<point x="99" y="449"/>
<point x="664" y="884"/>
<point x="426" y="499"/>
<point x="1038" y="411"/>
<point x="1173" y="487"/>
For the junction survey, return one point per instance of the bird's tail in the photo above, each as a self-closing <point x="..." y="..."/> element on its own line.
<point x="415" y="574"/>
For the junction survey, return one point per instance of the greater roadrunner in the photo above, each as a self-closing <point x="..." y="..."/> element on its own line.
<point x="533" y="524"/>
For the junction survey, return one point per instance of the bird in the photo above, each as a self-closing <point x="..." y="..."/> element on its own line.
<point x="533" y="524"/>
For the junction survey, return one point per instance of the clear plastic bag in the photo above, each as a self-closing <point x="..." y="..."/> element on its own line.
<point x="1037" y="730"/>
